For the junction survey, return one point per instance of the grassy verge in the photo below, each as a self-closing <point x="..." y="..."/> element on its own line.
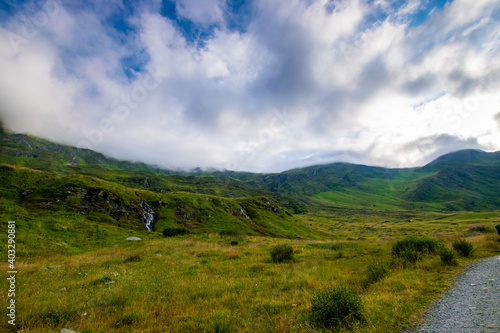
<point x="204" y="284"/>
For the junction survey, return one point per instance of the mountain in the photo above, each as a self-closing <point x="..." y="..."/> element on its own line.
<point x="462" y="180"/>
<point x="69" y="208"/>
<point x="469" y="157"/>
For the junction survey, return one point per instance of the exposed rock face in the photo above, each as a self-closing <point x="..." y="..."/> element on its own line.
<point x="272" y="208"/>
<point x="95" y="200"/>
<point x="244" y="212"/>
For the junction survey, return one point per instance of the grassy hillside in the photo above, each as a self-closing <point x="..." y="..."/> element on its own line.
<point x="73" y="210"/>
<point x="205" y="283"/>
<point x="464" y="180"/>
<point x="68" y="208"/>
<point x="39" y="154"/>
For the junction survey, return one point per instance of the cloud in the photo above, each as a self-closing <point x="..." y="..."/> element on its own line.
<point x="294" y="83"/>
<point x="202" y="12"/>
<point x="426" y="149"/>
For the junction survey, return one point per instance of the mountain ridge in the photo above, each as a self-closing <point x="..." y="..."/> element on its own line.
<point x="430" y="187"/>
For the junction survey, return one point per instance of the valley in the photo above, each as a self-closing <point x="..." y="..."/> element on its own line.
<point x="202" y="263"/>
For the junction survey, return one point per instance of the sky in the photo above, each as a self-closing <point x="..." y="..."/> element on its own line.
<point x="254" y="85"/>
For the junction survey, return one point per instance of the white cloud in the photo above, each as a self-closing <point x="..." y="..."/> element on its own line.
<point x="300" y="84"/>
<point x="203" y="12"/>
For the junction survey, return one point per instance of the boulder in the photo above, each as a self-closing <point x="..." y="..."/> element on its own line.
<point x="134" y="239"/>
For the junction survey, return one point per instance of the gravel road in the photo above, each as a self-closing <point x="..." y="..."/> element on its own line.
<point x="471" y="305"/>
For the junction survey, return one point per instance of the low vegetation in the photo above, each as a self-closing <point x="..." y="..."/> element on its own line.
<point x="336" y="308"/>
<point x="175" y="231"/>
<point x="200" y="282"/>
<point x="367" y="250"/>
<point x="375" y="272"/>
<point x="281" y="253"/>
<point x="463" y="247"/>
<point x="447" y="256"/>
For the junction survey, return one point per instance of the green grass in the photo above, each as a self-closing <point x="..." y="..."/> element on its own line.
<point x="197" y="283"/>
<point x="77" y="270"/>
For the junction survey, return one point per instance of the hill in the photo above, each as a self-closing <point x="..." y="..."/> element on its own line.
<point x="66" y="209"/>
<point x="463" y="180"/>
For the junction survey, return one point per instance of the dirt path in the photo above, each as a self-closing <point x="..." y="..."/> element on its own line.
<point x="471" y="305"/>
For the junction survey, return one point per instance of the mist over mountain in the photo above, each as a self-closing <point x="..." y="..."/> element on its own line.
<point x="463" y="180"/>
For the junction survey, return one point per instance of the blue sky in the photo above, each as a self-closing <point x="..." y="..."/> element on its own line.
<point x="254" y="85"/>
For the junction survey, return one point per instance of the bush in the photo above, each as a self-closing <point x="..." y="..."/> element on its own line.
<point x="463" y="247"/>
<point x="411" y="247"/>
<point x="281" y="252"/>
<point x="234" y="243"/>
<point x="232" y="233"/>
<point x="447" y="256"/>
<point x="170" y="232"/>
<point x="133" y="259"/>
<point x="498" y="228"/>
<point x="376" y="272"/>
<point x="335" y="308"/>
<point x="480" y="228"/>
<point x="410" y="255"/>
<point x="326" y="246"/>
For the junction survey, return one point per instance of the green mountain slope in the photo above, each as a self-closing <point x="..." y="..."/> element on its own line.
<point x="39" y="154"/>
<point x="64" y="208"/>
<point x="461" y="188"/>
<point x="463" y="180"/>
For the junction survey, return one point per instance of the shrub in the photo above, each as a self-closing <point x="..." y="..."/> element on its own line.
<point x="326" y="246"/>
<point x="170" y="232"/>
<point x="410" y="255"/>
<point x="234" y="243"/>
<point x="220" y="327"/>
<point x="463" y="247"/>
<point x="375" y="272"/>
<point x="133" y="259"/>
<point x="411" y="247"/>
<point x="480" y="228"/>
<point x="498" y="228"/>
<point x="231" y="233"/>
<point x="335" y="308"/>
<point x="447" y="256"/>
<point x="281" y="252"/>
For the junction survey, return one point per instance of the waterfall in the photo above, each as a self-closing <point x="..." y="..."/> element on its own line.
<point x="148" y="213"/>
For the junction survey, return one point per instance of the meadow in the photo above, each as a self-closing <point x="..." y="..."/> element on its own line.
<point x="206" y="282"/>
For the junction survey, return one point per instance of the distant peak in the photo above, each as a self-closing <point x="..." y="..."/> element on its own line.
<point x="467" y="156"/>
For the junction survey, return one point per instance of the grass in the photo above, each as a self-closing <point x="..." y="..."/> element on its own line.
<point x="76" y="269"/>
<point x="201" y="283"/>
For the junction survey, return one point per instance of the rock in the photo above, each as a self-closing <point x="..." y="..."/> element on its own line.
<point x="26" y="193"/>
<point x="67" y="330"/>
<point x="109" y="282"/>
<point x="134" y="239"/>
<point x="298" y="237"/>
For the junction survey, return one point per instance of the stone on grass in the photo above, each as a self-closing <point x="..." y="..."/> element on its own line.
<point x="134" y="239"/>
